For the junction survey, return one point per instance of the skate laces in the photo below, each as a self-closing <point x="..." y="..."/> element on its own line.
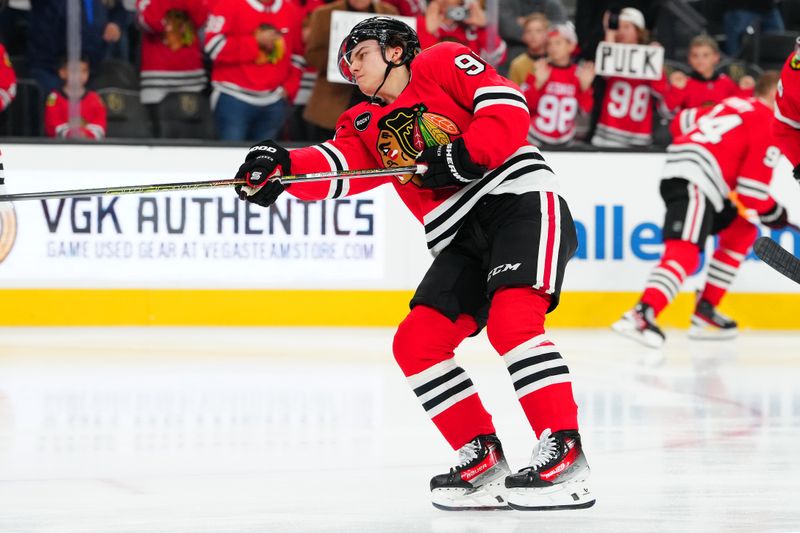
<point x="468" y="453"/>
<point x="545" y="451"/>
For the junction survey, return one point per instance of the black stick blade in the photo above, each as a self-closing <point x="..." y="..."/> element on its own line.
<point x="778" y="258"/>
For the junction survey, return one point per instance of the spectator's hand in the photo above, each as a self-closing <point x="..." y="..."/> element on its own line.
<point x="746" y="83"/>
<point x="265" y="163"/>
<point x="447" y="165"/>
<point x="112" y="33"/>
<point x="585" y="73"/>
<point x="678" y="79"/>
<point x="541" y="71"/>
<point x="434" y="16"/>
<point x="477" y="16"/>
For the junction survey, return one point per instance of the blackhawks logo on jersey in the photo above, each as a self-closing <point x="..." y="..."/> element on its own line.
<point x="405" y="132"/>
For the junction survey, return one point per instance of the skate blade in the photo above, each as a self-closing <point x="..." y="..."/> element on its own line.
<point x="490" y="497"/>
<point x="573" y="495"/>
<point x="708" y="334"/>
<point x="628" y="330"/>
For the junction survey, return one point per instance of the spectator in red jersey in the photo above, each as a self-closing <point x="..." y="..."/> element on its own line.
<point x="8" y="80"/>
<point x="704" y="87"/>
<point x="257" y="53"/>
<point x="409" y="8"/>
<point x="626" y="114"/>
<point x="171" y="57"/>
<point x="534" y="35"/>
<point x="330" y="99"/>
<point x="557" y="90"/>
<point x="92" y="124"/>
<point x="461" y="21"/>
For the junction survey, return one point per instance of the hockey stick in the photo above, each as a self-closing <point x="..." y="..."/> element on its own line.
<point x="194" y="185"/>
<point x="778" y="258"/>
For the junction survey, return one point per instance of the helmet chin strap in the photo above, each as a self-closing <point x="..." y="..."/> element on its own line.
<point x="386" y="72"/>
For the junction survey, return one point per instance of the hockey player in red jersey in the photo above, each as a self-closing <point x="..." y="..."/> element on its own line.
<point x="501" y="237"/>
<point x="92" y="110"/>
<point x="558" y="90"/>
<point x="729" y="150"/>
<point x="626" y="112"/>
<point x="786" y="126"/>
<point x="8" y="80"/>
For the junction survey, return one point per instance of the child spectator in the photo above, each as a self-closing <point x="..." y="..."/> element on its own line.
<point x="92" y="123"/>
<point x="534" y="35"/>
<point x="557" y="89"/>
<point x="171" y="57"/>
<point x="257" y="52"/>
<point x="703" y="87"/>
<point x="462" y="21"/>
<point x="626" y="113"/>
<point x="8" y="80"/>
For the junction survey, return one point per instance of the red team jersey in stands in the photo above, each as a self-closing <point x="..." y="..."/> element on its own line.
<point x="626" y="116"/>
<point x="93" y="116"/>
<point x="700" y="92"/>
<point x="787" y="110"/>
<point x="8" y="80"/>
<point x="452" y="93"/>
<point x="240" y="67"/>
<point x="555" y="106"/>
<point x="729" y="149"/>
<point x="165" y="69"/>
<point x="476" y="39"/>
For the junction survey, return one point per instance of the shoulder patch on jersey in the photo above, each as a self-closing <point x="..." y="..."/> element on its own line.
<point x="795" y="63"/>
<point x="361" y="122"/>
<point x="51" y="99"/>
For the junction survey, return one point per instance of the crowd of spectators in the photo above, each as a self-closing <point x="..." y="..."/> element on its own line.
<point x="244" y="70"/>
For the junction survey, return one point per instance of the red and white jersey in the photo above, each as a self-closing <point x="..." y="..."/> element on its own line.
<point x="408" y="8"/>
<point x="8" y="80"/>
<point x="626" y="115"/>
<point x="701" y="92"/>
<point x="476" y="39"/>
<point x="787" y="110"/>
<point x="452" y="93"/>
<point x="555" y="106"/>
<point x="166" y="66"/>
<point x="240" y="68"/>
<point x="730" y="148"/>
<point x="93" y="116"/>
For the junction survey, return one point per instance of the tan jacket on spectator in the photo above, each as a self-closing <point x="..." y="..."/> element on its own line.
<point x="521" y="66"/>
<point x="328" y="100"/>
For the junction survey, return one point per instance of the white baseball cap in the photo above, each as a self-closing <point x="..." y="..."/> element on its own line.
<point x="567" y="31"/>
<point x="632" y="15"/>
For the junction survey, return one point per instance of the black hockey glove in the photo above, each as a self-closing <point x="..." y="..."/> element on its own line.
<point x="448" y="165"/>
<point x="724" y="218"/>
<point x="264" y="164"/>
<point x="775" y="218"/>
<point x="796" y="173"/>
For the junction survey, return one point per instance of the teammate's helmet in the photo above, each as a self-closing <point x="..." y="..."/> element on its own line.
<point x="388" y="32"/>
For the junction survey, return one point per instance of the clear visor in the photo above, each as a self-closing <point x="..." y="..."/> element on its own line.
<point x="345" y="61"/>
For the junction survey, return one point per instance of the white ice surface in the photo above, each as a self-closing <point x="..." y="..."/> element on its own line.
<point x="296" y="430"/>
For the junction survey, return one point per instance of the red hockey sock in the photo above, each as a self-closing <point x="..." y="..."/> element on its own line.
<point x="679" y="261"/>
<point x="540" y="376"/>
<point x="734" y="242"/>
<point x="424" y="348"/>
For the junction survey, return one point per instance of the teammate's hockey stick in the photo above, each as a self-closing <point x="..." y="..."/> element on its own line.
<point x="778" y="258"/>
<point x="193" y="185"/>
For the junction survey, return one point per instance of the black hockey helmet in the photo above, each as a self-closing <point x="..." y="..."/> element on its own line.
<point x="388" y="32"/>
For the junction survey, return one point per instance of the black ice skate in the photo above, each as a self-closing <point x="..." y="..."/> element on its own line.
<point x="557" y="477"/>
<point x="710" y="324"/>
<point x="476" y="484"/>
<point x="639" y="324"/>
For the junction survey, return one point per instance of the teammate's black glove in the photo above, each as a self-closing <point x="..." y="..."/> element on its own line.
<point x="796" y="173"/>
<point x="448" y="165"/>
<point x="724" y="218"/>
<point x="775" y="218"/>
<point x="264" y="164"/>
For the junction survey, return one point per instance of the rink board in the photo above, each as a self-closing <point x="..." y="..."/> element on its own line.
<point x="203" y="258"/>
